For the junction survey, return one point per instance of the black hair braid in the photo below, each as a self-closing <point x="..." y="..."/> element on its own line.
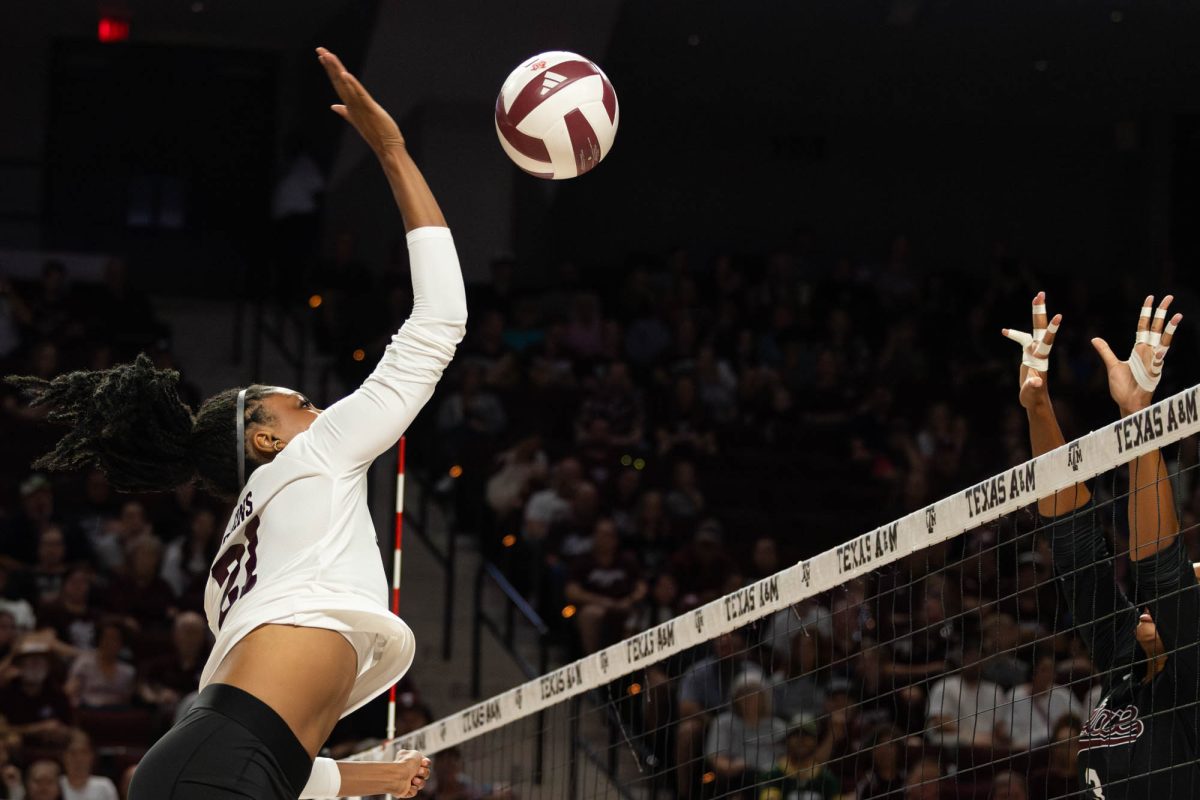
<point x="130" y="422"/>
<point x="127" y="420"/>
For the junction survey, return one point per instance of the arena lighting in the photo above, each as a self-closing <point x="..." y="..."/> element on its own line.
<point x="568" y="612"/>
<point x="315" y="301"/>
<point x="509" y="540"/>
<point x="456" y="471"/>
<point x="358" y="355"/>
<point x="112" y="29"/>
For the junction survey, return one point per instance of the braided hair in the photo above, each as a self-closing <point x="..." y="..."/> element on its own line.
<point x="130" y="423"/>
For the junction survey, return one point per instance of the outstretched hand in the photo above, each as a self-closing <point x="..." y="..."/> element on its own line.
<point x="1035" y="353"/>
<point x="373" y="123"/>
<point x="1132" y="382"/>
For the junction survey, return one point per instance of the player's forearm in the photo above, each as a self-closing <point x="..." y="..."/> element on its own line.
<point x="418" y="207"/>
<point x="364" y="778"/>
<point x="1153" y="523"/>
<point x="1045" y="435"/>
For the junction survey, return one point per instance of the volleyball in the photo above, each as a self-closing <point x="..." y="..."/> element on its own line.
<point x="557" y="115"/>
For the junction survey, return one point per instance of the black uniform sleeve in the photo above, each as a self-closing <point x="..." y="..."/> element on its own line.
<point x="1100" y="611"/>
<point x="1166" y="583"/>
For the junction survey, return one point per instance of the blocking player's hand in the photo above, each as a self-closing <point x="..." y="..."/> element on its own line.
<point x="374" y="124"/>
<point x="1132" y="382"/>
<point x="411" y="771"/>
<point x="1035" y="354"/>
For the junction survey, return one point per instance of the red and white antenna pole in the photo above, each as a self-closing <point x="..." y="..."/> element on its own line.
<point x="391" y="724"/>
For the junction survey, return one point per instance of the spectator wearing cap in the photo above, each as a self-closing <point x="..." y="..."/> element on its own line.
<point x="747" y="740"/>
<point x="885" y="777"/>
<point x="33" y="704"/>
<point x="41" y="780"/>
<point x="99" y="678"/>
<point x="78" y="782"/>
<point x="702" y="565"/>
<point x="702" y="691"/>
<point x="605" y="586"/>
<point x="802" y="771"/>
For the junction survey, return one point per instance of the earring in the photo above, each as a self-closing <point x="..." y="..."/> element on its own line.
<point x="278" y="445"/>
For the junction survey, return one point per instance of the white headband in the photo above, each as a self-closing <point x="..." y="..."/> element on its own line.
<point x="241" y="438"/>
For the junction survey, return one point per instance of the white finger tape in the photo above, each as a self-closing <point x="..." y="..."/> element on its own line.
<point x="1144" y="378"/>
<point x="1170" y="329"/>
<point x="1145" y="312"/>
<point x="1143" y="337"/>
<point x="1039" y="308"/>
<point x="1020" y="337"/>
<point x="1160" y="313"/>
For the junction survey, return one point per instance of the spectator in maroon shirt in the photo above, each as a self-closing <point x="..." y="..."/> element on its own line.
<point x="604" y="586"/>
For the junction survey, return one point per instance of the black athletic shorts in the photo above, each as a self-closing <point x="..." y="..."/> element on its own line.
<point x="229" y="745"/>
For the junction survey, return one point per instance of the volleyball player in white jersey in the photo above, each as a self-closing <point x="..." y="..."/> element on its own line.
<point x="297" y="596"/>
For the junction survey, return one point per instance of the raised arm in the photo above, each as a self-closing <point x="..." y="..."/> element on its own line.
<point x="352" y="432"/>
<point x="1153" y="523"/>
<point x="1164" y="579"/>
<point x="1044" y="432"/>
<point x="1082" y="560"/>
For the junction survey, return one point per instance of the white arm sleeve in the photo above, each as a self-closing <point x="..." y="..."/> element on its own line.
<point x="353" y="431"/>
<point x="325" y="780"/>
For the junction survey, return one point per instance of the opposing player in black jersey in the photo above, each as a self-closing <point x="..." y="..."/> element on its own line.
<point x="1141" y="740"/>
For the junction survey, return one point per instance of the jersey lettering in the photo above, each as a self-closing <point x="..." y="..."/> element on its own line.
<point x="1093" y="780"/>
<point x="1111" y="727"/>
<point x="225" y="572"/>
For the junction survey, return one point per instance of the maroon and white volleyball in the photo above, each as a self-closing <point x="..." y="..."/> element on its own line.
<point x="557" y="115"/>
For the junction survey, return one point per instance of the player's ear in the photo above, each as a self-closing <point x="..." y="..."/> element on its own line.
<point x="262" y="443"/>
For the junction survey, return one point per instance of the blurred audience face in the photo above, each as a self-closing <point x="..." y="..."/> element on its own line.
<point x="885" y="755"/>
<point x="51" y="548"/>
<point x="189" y="633"/>
<point x="34" y="669"/>
<point x="112" y="640"/>
<point x="41" y="780"/>
<point x="728" y="645"/>
<point x="75" y="587"/>
<point x="1009" y="786"/>
<point x="43" y="360"/>
<point x="38" y="505"/>
<point x="923" y="782"/>
<point x="766" y="556"/>
<point x="665" y="591"/>
<point x="1043" y="674"/>
<point x="145" y="553"/>
<point x="203" y="527"/>
<point x="79" y="757"/>
<point x="605" y="540"/>
<point x="96" y="488"/>
<point x="133" y="520"/>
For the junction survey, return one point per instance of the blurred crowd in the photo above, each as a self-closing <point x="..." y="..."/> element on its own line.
<point x="627" y="444"/>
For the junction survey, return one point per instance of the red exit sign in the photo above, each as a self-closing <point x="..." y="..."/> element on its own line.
<point x="112" y="29"/>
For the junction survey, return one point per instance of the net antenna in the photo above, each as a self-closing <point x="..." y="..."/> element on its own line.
<point x="396" y="551"/>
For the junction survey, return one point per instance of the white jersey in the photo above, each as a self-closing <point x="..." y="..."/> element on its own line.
<point x="300" y="548"/>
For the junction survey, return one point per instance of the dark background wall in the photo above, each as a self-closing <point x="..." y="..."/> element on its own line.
<point x="1067" y="129"/>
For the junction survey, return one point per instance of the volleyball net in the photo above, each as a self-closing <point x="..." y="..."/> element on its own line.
<point x="933" y="657"/>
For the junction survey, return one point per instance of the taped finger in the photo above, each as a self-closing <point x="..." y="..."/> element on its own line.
<point x="1020" y="337"/>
